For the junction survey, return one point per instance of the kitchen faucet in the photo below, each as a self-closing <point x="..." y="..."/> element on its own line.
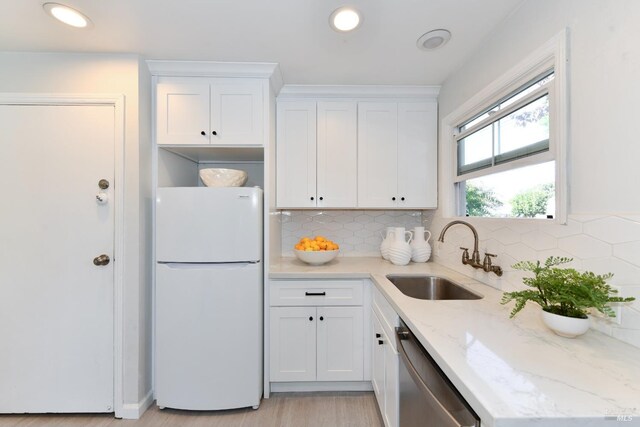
<point x="475" y="257"/>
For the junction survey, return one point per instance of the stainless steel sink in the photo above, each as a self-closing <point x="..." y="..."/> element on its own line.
<point x="431" y="288"/>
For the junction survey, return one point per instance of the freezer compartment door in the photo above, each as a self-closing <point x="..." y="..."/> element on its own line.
<point x="209" y="336"/>
<point x="202" y="224"/>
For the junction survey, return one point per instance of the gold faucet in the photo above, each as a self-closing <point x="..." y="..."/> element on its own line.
<point x="474" y="261"/>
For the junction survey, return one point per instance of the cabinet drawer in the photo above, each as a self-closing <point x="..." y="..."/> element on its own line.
<point x="315" y="292"/>
<point x="388" y="317"/>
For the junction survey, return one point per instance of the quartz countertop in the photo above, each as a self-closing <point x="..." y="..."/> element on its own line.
<point x="513" y="372"/>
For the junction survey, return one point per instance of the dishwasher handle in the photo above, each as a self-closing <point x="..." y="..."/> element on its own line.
<point x="403" y="335"/>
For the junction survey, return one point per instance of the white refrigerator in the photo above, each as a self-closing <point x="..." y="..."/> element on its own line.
<point x="209" y="298"/>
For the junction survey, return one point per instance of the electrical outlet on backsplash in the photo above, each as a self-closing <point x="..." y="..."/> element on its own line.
<point x="358" y="232"/>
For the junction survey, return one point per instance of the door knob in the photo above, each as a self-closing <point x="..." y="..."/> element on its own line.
<point x="101" y="260"/>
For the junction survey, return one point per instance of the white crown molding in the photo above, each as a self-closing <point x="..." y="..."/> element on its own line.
<point x="264" y="70"/>
<point x="358" y="91"/>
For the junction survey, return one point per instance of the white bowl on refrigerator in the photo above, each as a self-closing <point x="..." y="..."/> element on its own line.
<point x="221" y="177"/>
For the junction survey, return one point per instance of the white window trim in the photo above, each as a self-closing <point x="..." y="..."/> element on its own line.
<point x="553" y="54"/>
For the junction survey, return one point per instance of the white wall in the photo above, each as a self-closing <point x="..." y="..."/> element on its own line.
<point x="111" y="74"/>
<point x="603" y="233"/>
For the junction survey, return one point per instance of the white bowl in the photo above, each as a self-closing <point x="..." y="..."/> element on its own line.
<point x="220" y="177"/>
<point x="316" y="257"/>
<point x="568" y="327"/>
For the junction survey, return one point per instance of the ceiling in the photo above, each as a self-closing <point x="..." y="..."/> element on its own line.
<point x="293" y="33"/>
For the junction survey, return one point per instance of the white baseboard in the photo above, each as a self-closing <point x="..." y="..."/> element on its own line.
<point x="322" y="386"/>
<point x="133" y="411"/>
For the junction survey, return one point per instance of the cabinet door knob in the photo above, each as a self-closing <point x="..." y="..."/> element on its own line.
<point x="378" y="335"/>
<point x="380" y="342"/>
<point x="393" y="198"/>
<point x="310" y="318"/>
<point x="311" y="197"/>
<point x="214" y="132"/>
<point x="321" y="198"/>
<point x="321" y="318"/>
<point x="402" y="198"/>
<point x="203" y="133"/>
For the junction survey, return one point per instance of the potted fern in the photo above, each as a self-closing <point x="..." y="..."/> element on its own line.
<point x="565" y="295"/>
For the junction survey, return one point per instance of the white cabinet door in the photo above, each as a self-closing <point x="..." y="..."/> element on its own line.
<point x="377" y="154"/>
<point x="293" y="343"/>
<point x="236" y="112"/>
<point x="296" y="154"/>
<point x="377" y="364"/>
<point x="397" y="155"/>
<point x="182" y="112"/>
<point x="337" y="155"/>
<point x="340" y="344"/>
<point x="391" y="386"/>
<point x="417" y="155"/>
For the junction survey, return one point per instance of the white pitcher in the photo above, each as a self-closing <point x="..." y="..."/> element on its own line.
<point x="420" y="248"/>
<point x="386" y="241"/>
<point x="399" y="249"/>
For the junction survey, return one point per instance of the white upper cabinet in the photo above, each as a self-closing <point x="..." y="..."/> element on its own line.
<point x="296" y="154"/>
<point x="377" y="154"/>
<point x="236" y="112"/>
<point x="337" y="155"/>
<point x="397" y="155"/>
<point x="316" y="154"/>
<point x="210" y="111"/>
<point x="182" y="113"/>
<point x="364" y="147"/>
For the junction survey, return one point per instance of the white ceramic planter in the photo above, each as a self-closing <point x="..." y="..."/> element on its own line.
<point x="420" y="248"/>
<point x="386" y="241"/>
<point x="568" y="327"/>
<point x="399" y="249"/>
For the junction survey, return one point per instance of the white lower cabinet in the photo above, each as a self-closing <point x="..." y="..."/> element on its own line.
<point x="377" y="361"/>
<point x="316" y="343"/>
<point x="293" y="343"/>
<point x="385" y="363"/>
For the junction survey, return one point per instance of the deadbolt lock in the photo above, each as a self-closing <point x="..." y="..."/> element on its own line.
<point x="101" y="260"/>
<point x="103" y="184"/>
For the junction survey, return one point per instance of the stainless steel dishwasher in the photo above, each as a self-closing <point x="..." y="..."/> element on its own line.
<point x="427" y="397"/>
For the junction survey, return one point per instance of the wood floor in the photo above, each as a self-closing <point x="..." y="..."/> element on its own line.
<point x="330" y="409"/>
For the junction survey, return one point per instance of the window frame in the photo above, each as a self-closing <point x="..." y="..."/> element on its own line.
<point x="552" y="56"/>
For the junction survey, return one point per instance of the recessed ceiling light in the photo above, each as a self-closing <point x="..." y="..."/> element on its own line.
<point x="345" y="19"/>
<point x="433" y="39"/>
<point x="67" y="15"/>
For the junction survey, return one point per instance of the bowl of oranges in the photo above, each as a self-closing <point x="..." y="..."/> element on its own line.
<point x="316" y="251"/>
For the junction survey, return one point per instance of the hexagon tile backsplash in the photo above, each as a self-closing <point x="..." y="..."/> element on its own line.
<point x="359" y="233"/>
<point x="598" y="243"/>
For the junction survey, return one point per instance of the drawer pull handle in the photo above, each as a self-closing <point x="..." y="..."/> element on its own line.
<point x="315" y="294"/>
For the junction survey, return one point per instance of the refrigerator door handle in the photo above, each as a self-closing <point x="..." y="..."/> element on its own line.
<point x="209" y="266"/>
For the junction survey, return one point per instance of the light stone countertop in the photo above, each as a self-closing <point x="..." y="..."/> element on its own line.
<point x="513" y="372"/>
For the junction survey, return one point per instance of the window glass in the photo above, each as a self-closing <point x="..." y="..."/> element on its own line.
<point x="526" y="126"/>
<point x="526" y="192"/>
<point x="475" y="148"/>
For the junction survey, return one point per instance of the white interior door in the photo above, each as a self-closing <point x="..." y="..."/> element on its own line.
<point x="56" y="306"/>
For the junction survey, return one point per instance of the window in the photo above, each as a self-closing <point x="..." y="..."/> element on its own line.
<point x="508" y="147"/>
